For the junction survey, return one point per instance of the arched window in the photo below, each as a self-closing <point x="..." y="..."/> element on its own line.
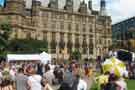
<point x="84" y="45"/>
<point x="53" y="46"/>
<point x="69" y="46"/>
<point x="77" y="44"/>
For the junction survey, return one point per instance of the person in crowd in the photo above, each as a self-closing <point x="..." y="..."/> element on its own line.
<point x="102" y="80"/>
<point x="115" y="83"/>
<point x="67" y="75"/>
<point x="121" y="83"/>
<point x="13" y="73"/>
<point x="86" y="69"/>
<point x="77" y="82"/>
<point x="134" y="71"/>
<point x="21" y="80"/>
<point x="49" y="75"/>
<point x="40" y="69"/>
<point x="46" y="85"/>
<point x="34" y="80"/>
<point x="6" y="82"/>
<point x="111" y="85"/>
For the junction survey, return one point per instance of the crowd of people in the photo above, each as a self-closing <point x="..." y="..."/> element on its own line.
<point x="66" y="75"/>
<point x="36" y="76"/>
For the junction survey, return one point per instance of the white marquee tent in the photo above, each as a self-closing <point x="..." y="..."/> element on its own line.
<point x="43" y="57"/>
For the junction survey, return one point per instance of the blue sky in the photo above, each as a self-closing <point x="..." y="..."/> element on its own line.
<point x="121" y="9"/>
<point x="118" y="9"/>
<point x="2" y="2"/>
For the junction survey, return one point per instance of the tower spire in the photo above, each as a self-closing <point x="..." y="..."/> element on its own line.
<point x="83" y="7"/>
<point x="69" y="5"/>
<point x="102" y="7"/>
<point x="90" y="4"/>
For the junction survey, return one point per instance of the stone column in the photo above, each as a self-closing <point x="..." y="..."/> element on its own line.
<point x="80" y="41"/>
<point x="73" y="41"/>
<point x="49" y="41"/>
<point x="57" y="46"/>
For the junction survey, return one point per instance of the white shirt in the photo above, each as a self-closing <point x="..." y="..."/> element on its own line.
<point x="35" y="82"/>
<point x="122" y="84"/>
<point x="82" y="85"/>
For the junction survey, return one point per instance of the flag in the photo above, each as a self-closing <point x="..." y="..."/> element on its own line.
<point x="2" y="3"/>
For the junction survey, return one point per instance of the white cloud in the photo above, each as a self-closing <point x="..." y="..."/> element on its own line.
<point x="118" y="9"/>
<point x="121" y="9"/>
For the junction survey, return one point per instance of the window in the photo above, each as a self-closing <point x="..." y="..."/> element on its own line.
<point x="84" y="19"/>
<point x="53" y="26"/>
<point x="84" y="46"/>
<point x="54" y="16"/>
<point x="77" y="27"/>
<point x="84" y="28"/>
<point x="69" y="36"/>
<point x="90" y="28"/>
<point x="69" y="27"/>
<point x="90" y="41"/>
<point x="62" y="25"/>
<point x="90" y="49"/>
<point x="77" y="45"/>
<point x="100" y="41"/>
<point x="69" y="46"/>
<point x="61" y="16"/>
<point x="53" y="36"/>
<point x="45" y="35"/>
<point x="91" y="36"/>
<point x="69" y="17"/>
<point x="28" y="35"/>
<point x="45" y="24"/>
<point x="53" y="46"/>
<point x="109" y="42"/>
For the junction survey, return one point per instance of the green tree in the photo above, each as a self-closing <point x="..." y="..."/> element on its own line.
<point x="5" y="29"/>
<point x="28" y="46"/>
<point x="76" y="54"/>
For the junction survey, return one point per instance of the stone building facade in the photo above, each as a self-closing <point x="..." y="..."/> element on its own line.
<point x="64" y="29"/>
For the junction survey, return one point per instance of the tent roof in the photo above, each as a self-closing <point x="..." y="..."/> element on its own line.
<point x="20" y="57"/>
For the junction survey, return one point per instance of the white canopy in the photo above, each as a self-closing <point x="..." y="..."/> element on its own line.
<point x="20" y="57"/>
<point x="43" y="57"/>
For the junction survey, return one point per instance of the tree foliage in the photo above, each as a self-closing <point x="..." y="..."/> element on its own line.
<point x="5" y="29"/>
<point x="76" y="54"/>
<point x="28" y="46"/>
